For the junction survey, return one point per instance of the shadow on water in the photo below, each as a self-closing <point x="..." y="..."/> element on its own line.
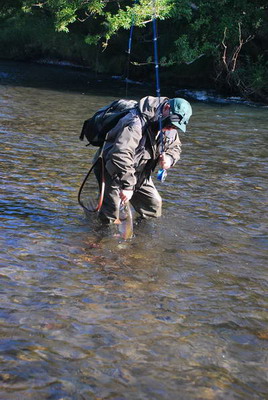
<point x="179" y="311"/>
<point x="76" y="79"/>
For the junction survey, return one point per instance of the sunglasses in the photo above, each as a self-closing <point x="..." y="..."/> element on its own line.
<point x="168" y="121"/>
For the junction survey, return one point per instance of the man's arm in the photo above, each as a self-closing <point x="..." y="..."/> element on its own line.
<point x="120" y="163"/>
<point x="173" y="150"/>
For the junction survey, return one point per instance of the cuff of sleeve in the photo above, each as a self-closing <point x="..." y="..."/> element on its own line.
<point x="171" y="159"/>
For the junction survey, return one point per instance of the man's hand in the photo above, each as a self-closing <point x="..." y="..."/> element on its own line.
<point x="165" y="161"/>
<point x="125" y="195"/>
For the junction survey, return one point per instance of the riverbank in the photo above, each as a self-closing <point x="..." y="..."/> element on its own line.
<point x="190" y="56"/>
<point x="40" y="44"/>
<point x="68" y="76"/>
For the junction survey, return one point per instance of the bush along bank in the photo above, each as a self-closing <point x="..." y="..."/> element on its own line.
<point x="240" y="69"/>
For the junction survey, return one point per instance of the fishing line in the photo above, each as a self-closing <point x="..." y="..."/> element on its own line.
<point x="130" y="46"/>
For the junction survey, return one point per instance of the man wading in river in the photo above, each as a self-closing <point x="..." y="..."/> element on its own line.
<point x="135" y="152"/>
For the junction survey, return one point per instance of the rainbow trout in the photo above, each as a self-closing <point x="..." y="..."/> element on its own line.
<point x="125" y="221"/>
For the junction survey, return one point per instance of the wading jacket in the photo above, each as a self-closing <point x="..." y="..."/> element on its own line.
<point x="133" y="147"/>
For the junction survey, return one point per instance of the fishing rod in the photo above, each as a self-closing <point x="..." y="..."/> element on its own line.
<point x="162" y="173"/>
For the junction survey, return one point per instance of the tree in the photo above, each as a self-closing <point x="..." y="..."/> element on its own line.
<point x="231" y="32"/>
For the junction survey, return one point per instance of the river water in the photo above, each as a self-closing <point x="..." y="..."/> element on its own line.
<point x="177" y="312"/>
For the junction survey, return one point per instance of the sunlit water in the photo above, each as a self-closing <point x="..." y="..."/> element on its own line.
<point x="179" y="311"/>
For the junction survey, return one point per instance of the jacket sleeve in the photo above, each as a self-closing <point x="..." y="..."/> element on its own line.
<point x="173" y="147"/>
<point x="120" y="159"/>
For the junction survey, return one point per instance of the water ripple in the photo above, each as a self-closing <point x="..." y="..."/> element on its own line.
<point x="179" y="309"/>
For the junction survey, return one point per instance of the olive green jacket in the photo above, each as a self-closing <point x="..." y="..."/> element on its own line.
<point x="133" y="147"/>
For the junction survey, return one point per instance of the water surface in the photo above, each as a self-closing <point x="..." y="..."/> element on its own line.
<point x="179" y="311"/>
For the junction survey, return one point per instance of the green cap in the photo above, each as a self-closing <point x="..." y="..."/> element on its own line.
<point x="182" y="108"/>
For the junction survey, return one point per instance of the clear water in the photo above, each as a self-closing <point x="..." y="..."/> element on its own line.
<point x="179" y="311"/>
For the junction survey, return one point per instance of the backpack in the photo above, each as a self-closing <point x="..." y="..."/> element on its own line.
<point x="96" y="128"/>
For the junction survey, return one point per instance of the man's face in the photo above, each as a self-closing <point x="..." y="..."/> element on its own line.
<point x="167" y="124"/>
<point x="165" y="112"/>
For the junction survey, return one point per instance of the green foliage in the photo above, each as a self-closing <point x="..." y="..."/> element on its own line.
<point x="24" y="37"/>
<point x="252" y="78"/>
<point x="187" y="30"/>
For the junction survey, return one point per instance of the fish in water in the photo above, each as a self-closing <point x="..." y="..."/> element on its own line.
<point x="125" y="221"/>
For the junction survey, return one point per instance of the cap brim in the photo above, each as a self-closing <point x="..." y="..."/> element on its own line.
<point x="182" y="127"/>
